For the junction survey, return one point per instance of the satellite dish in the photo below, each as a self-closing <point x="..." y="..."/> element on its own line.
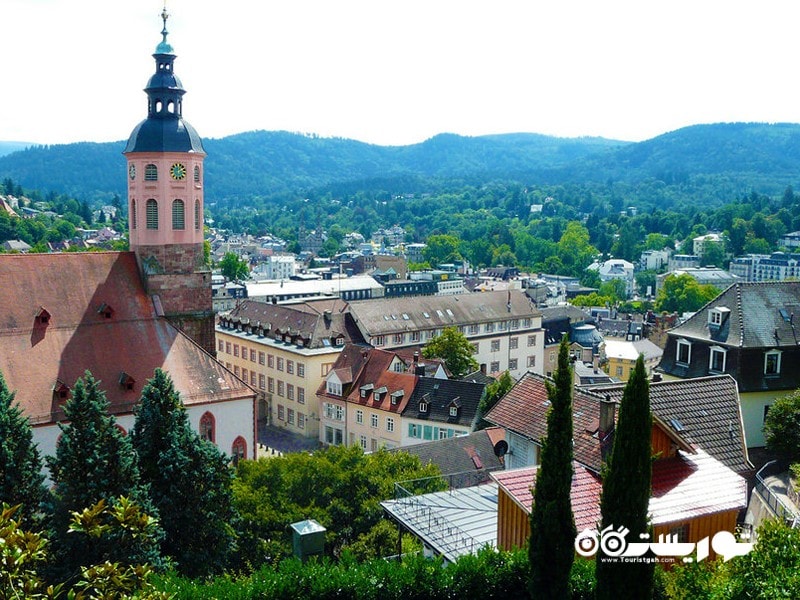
<point x="501" y="449"/>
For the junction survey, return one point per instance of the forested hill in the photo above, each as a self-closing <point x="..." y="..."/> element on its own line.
<point x="715" y="161"/>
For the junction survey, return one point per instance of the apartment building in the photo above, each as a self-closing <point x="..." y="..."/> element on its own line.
<point x="504" y="328"/>
<point x="285" y="351"/>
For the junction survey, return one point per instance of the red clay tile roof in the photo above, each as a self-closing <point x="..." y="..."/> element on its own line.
<point x="72" y="288"/>
<point x="375" y="371"/>
<point x="584" y="493"/>
<point x="523" y="410"/>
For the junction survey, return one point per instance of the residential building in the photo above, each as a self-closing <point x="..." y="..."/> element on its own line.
<point x="226" y="295"/>
<point x="285" y="351"/>
<point x="278" y="266"/>
<point x="621" y="356"/>
<point x="695" y="493"/>
<point x="699" y="243"/>
<point x="654" y="260"/>
<point x="616" y="269"/>
<point x="557" y="322"/>
<point x="504" y="328"/>
<point x="464" y="460"/>
<point x="719" y="278"/>
<point x="778" y="266"/>
<point x="790" y="240"/>
<point x="440" y="409"/>
<point x="373" y="398"/>
<point x="683" y="261"/>
<point x="747" y="331"/>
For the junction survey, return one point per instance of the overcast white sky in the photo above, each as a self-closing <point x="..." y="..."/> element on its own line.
<point x="400" y="71"/>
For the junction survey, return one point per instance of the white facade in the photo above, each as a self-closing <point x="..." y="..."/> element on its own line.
<point x="777" y="266"/>
<point x="616" y="268"/>
<point x="280" y="266"/>
<point x="654" y="260"/>
<point x="416" y="431"/>
<point x="232" y="420"/>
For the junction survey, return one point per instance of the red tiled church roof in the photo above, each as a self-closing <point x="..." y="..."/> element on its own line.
<point x="99" y="319"/>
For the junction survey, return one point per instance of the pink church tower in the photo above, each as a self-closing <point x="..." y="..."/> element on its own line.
<point x="165" y="201"/>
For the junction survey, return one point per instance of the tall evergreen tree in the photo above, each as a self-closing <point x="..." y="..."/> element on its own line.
<point x="189" y="481"/>
<point x="626" y="490"/>
<point x="551" y="545"/>
<point x="94" y="461"/>
<point x="21" y="477"/>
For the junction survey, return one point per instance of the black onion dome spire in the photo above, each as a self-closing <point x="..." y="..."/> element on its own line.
<point x="164" y="129"/>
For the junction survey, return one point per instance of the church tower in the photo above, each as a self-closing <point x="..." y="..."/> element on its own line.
<point x="165" y="203"/>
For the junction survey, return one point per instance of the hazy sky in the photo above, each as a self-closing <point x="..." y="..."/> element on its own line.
<point x="399" y="72"/>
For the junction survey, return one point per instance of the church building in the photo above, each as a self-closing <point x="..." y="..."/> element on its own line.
<point x="121" y="315"/>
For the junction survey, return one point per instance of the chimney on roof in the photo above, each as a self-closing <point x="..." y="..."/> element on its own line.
<point x="656" y="377"/>
<point x="326" y="314"/>
<point x="416" y="357"/>
<point x="607" y="411"/>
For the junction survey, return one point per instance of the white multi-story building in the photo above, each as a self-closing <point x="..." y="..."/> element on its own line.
<point x="504" y="328"/>
<point x="778" y="266"/>
<point x="616" y="268"/>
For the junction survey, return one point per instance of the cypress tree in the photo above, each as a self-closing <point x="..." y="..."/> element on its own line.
<point x="21" y="476"/>
<point x="94" y="461"/>
<point x="626" y="491"/>
<point x="551" y="544"/>
<point x="189" y="481"/>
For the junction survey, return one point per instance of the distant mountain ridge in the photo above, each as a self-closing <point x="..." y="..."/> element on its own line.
<point x="269" y="163"/>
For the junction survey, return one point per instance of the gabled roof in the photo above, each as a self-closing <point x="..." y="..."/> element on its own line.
<point x="130" y="339"/>
<point x="706" y="412"/>
<point x="523" y="410"/>
<point x="472" y="455"/>
<point x="375" y="377"/>
<point x="685" y="486"/>
<point x="760" y="317"/>
<point x="440" y="395"/>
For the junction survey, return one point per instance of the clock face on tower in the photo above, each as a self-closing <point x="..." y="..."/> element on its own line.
<point x="177" y="171"/>
<point x="132" y="171"/>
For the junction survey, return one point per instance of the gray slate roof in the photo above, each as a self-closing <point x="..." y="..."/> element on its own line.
<point x="440" y="394"/>
<point x="755" y="319"/>
<point x="704" y="411"/>
<point x="385" y="316"/>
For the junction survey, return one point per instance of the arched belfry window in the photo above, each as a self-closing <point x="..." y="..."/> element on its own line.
<point x="196" y="174"/>
<point x="207" y="427"/>
<point x="152" y="214"/>
<point x="151" y="172"/>
<point x="178" y="215"/>
<point x="133" y="214"/>
<point x="238" y="450"/>
<point x="198" y="216"/>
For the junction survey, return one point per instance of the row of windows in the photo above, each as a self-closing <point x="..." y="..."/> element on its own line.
<point x="151" y="173"/>
<point x="717" y="358"/>
<point x="417" y="336"/>
<point x="431" y="432"/>
<point x="334" y="412"/>
<point x="290" y="366"/>
<point x="374" y="421"/>
<point x="288" y="416"/>
<point x="270" y="384"/>
<point x="178" y="215"/>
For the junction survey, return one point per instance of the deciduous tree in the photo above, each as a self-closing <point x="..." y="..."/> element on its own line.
<point x="454" y="349"/>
